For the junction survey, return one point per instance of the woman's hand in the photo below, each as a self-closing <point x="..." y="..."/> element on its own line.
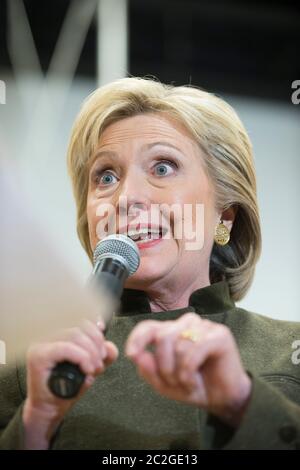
<point x="43" y="412"/>
<point x="195" y="361"/>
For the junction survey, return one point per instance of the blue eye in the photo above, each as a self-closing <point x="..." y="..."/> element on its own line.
<point x="107" y="179"/>
<point x="164" y="168"/>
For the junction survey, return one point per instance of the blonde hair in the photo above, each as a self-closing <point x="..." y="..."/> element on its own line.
<point x="228" y="157"/>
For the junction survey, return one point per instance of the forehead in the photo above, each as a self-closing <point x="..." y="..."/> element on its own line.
<point x="146" y="127"/>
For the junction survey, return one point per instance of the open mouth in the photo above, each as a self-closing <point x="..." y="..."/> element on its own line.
<point x="144" y="235"/>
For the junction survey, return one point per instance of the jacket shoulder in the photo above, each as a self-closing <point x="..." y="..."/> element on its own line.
<point x="254" y="319"/>
<point x="273" y="346"/>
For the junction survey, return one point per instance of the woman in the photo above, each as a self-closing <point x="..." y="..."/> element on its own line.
<point x="181" y="367"/>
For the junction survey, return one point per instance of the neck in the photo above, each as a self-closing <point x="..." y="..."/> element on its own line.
<point x="174" y="296"/>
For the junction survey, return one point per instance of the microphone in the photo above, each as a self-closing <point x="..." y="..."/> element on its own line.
<point x="115" y="258"/>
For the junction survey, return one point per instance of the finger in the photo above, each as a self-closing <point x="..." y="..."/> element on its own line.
<point x="212" y="344"/>
<point x="96" y="335"/>
<point x="141" y="336"/>
<point x="100" y="324"/>
<point x="182" y="375"/>
<point x="165" y="354"/>
<point x="109" y="351"/>
<point x="52" y="353"/>
<point x="186" y="348"/>
<point x="85" y="342"/>
<point x="165" y="346"/>
<point x="147" y="368"/>
<point x="92" y="329"/>
<point x="189" y="318"/>
<point x="112" y="353"/>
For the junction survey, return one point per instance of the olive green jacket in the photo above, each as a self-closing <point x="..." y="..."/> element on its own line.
<point x="121" y="411"/>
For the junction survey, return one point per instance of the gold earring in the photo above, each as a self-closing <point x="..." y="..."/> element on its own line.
<point x="222" y="234"/>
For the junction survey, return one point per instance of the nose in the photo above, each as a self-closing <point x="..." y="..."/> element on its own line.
<point x="134" y="193"/>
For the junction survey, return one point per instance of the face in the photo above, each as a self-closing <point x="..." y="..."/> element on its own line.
<point x="152" y="163"/>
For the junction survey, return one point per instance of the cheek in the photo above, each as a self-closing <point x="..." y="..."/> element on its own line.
<point x="102" y="218"/>
<point x="92" y="224"/>
<point x="158" y="261"/>
<point x="195" y="212"/>
<point x="94" y="219"/>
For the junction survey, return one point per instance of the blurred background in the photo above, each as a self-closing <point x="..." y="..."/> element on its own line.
<point x="54" y="53"/>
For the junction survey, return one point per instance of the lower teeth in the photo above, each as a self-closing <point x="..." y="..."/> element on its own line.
<point x="147" y="239"/>
<point x="143" y="240"/>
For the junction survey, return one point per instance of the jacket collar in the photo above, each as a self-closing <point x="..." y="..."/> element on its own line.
<point x="205" y="301"/>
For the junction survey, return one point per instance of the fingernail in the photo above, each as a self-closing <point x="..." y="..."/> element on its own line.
<point x="100" y="324"/>
<point x="90" y="380"/>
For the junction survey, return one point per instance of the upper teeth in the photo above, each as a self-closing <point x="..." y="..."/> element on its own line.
<point x="142" y="233"/>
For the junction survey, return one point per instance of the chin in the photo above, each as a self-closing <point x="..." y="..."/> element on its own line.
<point x="146" y="275"/>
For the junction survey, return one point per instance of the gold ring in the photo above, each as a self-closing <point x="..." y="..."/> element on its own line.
<point x="192" y="335"/>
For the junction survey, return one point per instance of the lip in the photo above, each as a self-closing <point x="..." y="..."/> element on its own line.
<point x="124" y="230"/>
<point x="144" y="245"/>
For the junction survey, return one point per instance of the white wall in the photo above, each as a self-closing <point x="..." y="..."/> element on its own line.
<point x="275" y="133"/>
<point x="273" y="128"/>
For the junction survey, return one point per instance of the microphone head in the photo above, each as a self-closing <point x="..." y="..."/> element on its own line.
<point x="121" y="247"/>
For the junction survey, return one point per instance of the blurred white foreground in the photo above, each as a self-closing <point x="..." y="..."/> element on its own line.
<point x="39" y="294"/>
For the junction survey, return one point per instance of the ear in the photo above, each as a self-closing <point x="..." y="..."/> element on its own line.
<point x="228" y="216"/>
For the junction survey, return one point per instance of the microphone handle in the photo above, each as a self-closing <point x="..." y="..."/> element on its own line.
<point x="66" y="380"/>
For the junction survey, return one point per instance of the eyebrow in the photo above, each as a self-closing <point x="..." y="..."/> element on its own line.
<point x="164" y="143"/>
<point x="103" y="153"/>
<point x="114" y="155"/>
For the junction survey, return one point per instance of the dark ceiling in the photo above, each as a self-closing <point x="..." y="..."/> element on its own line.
<point x="244" y="47"/>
